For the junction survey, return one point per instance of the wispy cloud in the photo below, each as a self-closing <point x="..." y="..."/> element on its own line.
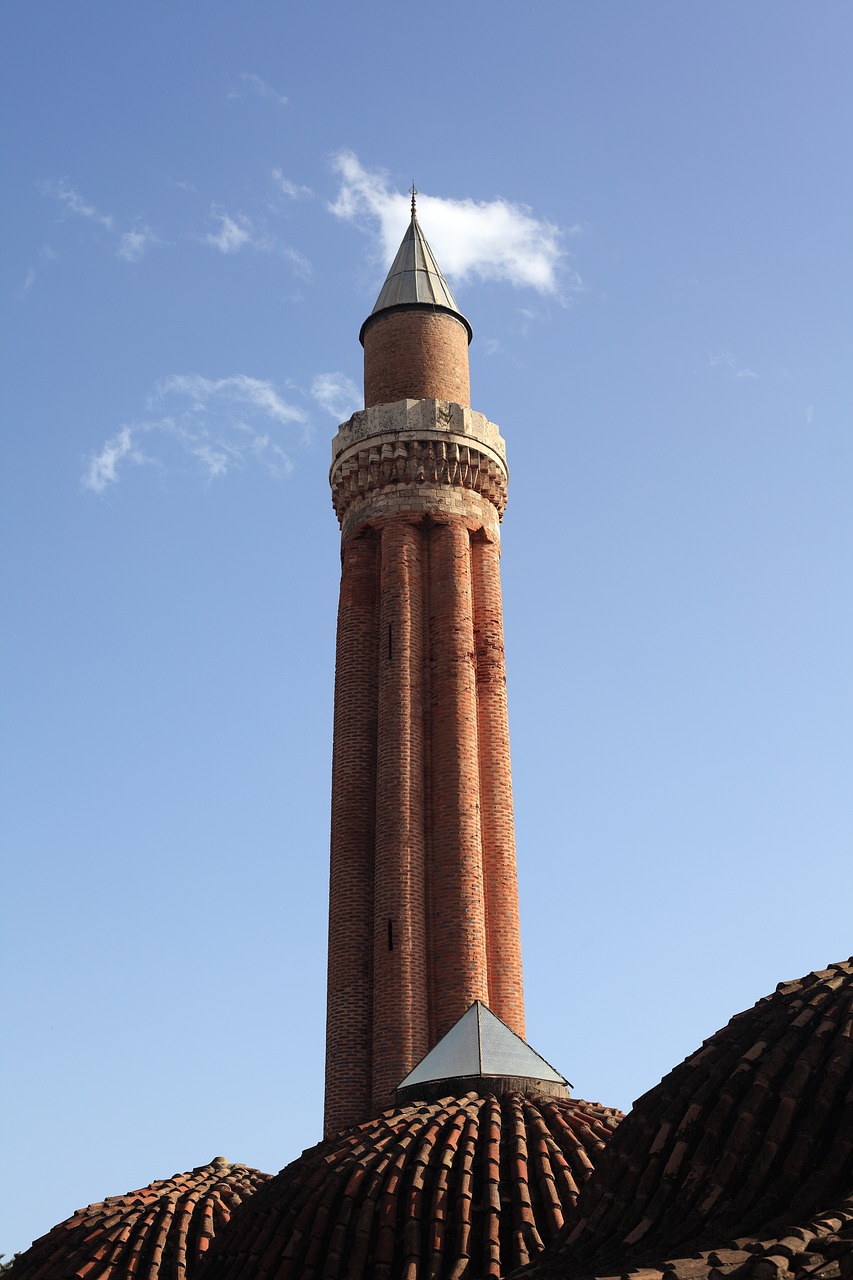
<point x="129" y="245"/>
<point x="725" y="362"/>
<point x="181" y="184"/>
<point x="218" y="425"/>
<point x="133" y="244"/>
<point x="240" y="390"/>
<point x="233" y="233"/>
<point x="336" y="394"/>
<point x="300" y="264"/>
<point x="74" y="203"/>
<point x="489" y="239"/>
<point x="239" y="231"/>
<point x="254" y="84"/>
<point x="102" y="468"/>
<point x="46" y="255"/>
<point x="809" y="415"/>
<point x="293" y="190"/>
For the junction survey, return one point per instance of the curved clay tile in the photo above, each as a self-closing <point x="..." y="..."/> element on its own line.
<point x="820" y="1249"/>
<point x="160" y="1232"/>
<point x="469" y="1186"/>
<point x="736" y="1149"/>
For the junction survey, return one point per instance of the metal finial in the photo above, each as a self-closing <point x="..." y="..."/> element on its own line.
<point x="413" y="191"/>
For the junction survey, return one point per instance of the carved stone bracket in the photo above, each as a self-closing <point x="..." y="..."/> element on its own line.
<point x="413" y="445"/>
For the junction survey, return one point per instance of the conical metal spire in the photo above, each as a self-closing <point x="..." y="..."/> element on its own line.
<point x="415" y="279"/>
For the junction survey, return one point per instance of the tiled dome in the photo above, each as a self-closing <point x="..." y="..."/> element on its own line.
<point x="469" y="1186"/>
<point x="745" y="1149"/>
<point x="161" y="1232"/>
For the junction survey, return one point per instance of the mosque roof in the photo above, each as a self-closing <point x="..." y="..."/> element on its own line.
<point x="742" y="1157"/>
<point x="415" y="280"/>
<point x="466" y="1186"/>
<point x="739" y="1163"/>
<point x="161" y="1232"/>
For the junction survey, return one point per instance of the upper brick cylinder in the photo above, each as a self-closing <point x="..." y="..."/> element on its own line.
<point x="416" y="338"/>
<point x="416" y="354"/>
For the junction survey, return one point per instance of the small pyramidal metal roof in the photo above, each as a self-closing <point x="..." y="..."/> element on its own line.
<point x="415" y="278"/>
<point x="479" y="1044"/>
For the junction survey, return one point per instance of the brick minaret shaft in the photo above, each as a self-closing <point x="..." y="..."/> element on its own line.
<point x="423" y="894"/>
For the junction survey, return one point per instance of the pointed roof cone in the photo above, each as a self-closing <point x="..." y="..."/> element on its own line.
<point x="415" y="280"/>
<point x="480" y="1046"/>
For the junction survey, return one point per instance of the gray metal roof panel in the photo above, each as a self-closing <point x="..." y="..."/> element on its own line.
<point x="415" y="276"/>
<point x="479" y="1044"/>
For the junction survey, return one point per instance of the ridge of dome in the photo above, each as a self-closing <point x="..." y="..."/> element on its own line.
<point x="467" y="1184"/>
<point x="162" y="1230"/>
<point x="751" y="1135"/>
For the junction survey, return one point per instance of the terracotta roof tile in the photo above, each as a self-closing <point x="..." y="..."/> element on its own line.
<point x="462" y="1187"/>
<point x="160" y="1232"/>
<point x="740" y="1162"/>
<point x="821" y="1249"/>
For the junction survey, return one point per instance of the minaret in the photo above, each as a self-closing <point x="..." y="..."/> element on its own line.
<point x="423" y="913"/>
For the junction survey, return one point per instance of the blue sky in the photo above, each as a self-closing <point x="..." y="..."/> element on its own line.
<point x="644" y="211"/>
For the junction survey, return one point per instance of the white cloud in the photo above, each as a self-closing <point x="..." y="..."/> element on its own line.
<point x="301" y="265"/>
<point x="337" y="394"/>
<point x="239" y="389"/>
<point x="233" y="233"/>
<point x="217" y="424"/>
<point x="214" y="462"/>
<point x="103" y="467"/>
<point x="132" y="244"/>
<point x="726" y="363"/>
<point x="494" y="239"/>
<point x="260" y="87"/>
<point x="46" y="255"/>
<point x="809" y="415"/>
<point x="294" y="190"/>
<point x="74" y="202"/>
<point x="182" y="184"/>
<point x="241" y="232"/>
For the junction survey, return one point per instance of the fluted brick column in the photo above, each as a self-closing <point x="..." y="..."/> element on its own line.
<point x="400" y="1019"/>
<point x="459" y="967"/>
<point x="506" y="995"/>
<point x="423" y="900"/>
<point x="350" y="978"/>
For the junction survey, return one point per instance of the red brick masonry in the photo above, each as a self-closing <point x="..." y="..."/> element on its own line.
<point x="416" y="355"/>
<point x="424" y="906"/>
<point x="423" y="915"/>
